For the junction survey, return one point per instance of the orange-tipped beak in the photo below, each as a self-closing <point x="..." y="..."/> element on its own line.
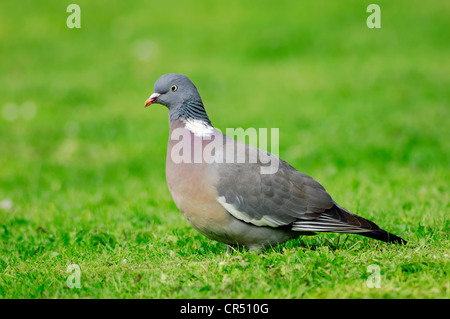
<point x="152" y="99"/>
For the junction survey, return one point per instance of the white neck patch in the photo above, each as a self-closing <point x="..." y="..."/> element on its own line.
<point x="199" y="128"/>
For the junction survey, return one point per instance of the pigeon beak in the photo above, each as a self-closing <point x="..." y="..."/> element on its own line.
<point x="152" y="99"/>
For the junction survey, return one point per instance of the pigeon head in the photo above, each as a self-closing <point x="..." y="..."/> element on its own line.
<point x="180" y="96"/>
<point x="172" y="90"/>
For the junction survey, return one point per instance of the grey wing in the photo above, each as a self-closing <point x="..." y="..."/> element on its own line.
<point x="274" y="200"/>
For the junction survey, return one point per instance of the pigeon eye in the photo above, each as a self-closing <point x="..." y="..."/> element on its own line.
<point x="174" y="88"/>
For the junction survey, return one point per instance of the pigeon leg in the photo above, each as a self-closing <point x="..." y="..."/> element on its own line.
<point x="256" y="248"/>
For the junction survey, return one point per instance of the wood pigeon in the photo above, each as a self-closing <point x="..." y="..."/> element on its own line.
<point x="228" y="197"/>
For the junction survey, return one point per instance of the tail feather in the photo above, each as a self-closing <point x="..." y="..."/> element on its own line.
<point x="384" y="236"/>
<point x="339" y="220"/>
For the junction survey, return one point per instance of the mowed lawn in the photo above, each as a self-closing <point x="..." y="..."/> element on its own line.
<point x="363" y="111"/>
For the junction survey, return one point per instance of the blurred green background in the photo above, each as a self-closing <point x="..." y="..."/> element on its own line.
<point x="364" y="111"/>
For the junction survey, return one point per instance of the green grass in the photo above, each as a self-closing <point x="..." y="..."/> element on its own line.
<point x="365" y="112"/>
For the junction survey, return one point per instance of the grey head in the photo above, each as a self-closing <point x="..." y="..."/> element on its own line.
<point x="180" y="96"/>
